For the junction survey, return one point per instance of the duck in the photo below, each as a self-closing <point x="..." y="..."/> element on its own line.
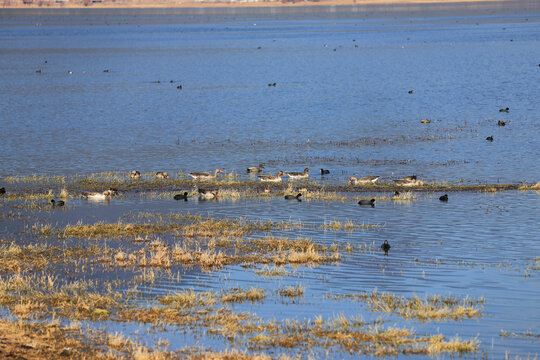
<point x="501" y="123"/>
<point x="2" y="191"/>
<point x="490" y="138"/>
<point x="504" y="110"/>
<point x="298" y="175"/>
<point x="255" y="169"/>
<point x="385" y="246"/>
<point x="407" y="182"/>
<point x="94" y="195"/>
<point x="444" y="197"/>
<point x="325" y="172"/>
<point x="162" y="175"/>
<point x="205" y="175"/>
<point x="57" y="202"/>
<point x="425" y="121"/>
<point x="272" y="178"/>
<point x="411" y="91"/>
<point x="294" y="197"/>
<point x="135" y="175"/>
<point x="183" y="196"/>
<point x="367" y="202"/>
<point x="364" y="180"/>
<point x="208" y="194"/>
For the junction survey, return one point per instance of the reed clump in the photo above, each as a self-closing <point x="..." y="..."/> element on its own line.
<point x="292" y="291"/>
<point x="239" y="295"/>
<point x="434" y="307"/>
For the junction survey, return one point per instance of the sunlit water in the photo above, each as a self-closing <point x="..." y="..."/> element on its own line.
<point x="341" y="102"/>
<point x="341" y="99"/>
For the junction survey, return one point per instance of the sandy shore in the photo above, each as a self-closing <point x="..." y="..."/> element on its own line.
<point x="199" y="4"/>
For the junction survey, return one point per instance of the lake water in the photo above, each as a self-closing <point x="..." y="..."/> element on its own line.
<point x="341" y="102"/>
<point x="341" y="99"/>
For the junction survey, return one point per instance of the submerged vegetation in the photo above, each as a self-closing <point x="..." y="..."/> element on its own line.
<point x="52" y="272"/>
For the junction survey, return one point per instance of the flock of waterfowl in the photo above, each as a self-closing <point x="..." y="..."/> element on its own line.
<point x="213" y="193"/>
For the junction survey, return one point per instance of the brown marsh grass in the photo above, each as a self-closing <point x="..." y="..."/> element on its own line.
<point x="117" y="229"/>
<point x="292" y="291"/>
<point x="436" y="307"/>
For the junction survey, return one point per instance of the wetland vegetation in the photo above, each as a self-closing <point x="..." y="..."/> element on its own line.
<point x="103" y="256"/>
<point x="46" y="286"/>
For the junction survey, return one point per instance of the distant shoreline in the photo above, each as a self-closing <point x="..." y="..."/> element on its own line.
<point x="258" y="4"/>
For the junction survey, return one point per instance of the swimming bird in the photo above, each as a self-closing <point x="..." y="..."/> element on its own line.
<point x="367" y="202"/>
<point x="364" y="180"/>
<point x="504" y="110"/>
<point x="94" y="195"/>
<point x="444" y="197"/>
<point x="325" y="172"/>
<point x="57" y="202"/>
<point x="205" y="175"/>
<point x="490" y="138"/>
<point x="425" y="121"/>
<point x="162" y="175"/>
<point x="271" y="178"/>
<point x="411" y="91"/>
<point x="501" y="123"/>
<point x="135" y="175"/>
<point x="2" y="191"/>
<point x="298" y="175"/>
<point x="385" y="246"/>
<point x="70" y="72"/>
<point x="208" y="194"/>
<point x="255" y="169"/>
<point x="293" y="197"/>
<point x="181" y="196"/>
<point x="272" y="84"/>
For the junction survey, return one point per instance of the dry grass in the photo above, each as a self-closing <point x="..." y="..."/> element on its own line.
<point x="33" y="341"/>
<point x="435" y="307"/>
<point x="44" y="295"/>
<point x="268" y="272"/>
<point x="292" y="291"/>
<point x="352" y="335"/>
<point x="239" y="295"/>
<point x="530" y="187"/>
<point x="118" y="229"/>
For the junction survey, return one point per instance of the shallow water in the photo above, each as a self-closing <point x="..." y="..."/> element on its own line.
<point x="476" y="245"/>
<point x="347" y="110"/>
